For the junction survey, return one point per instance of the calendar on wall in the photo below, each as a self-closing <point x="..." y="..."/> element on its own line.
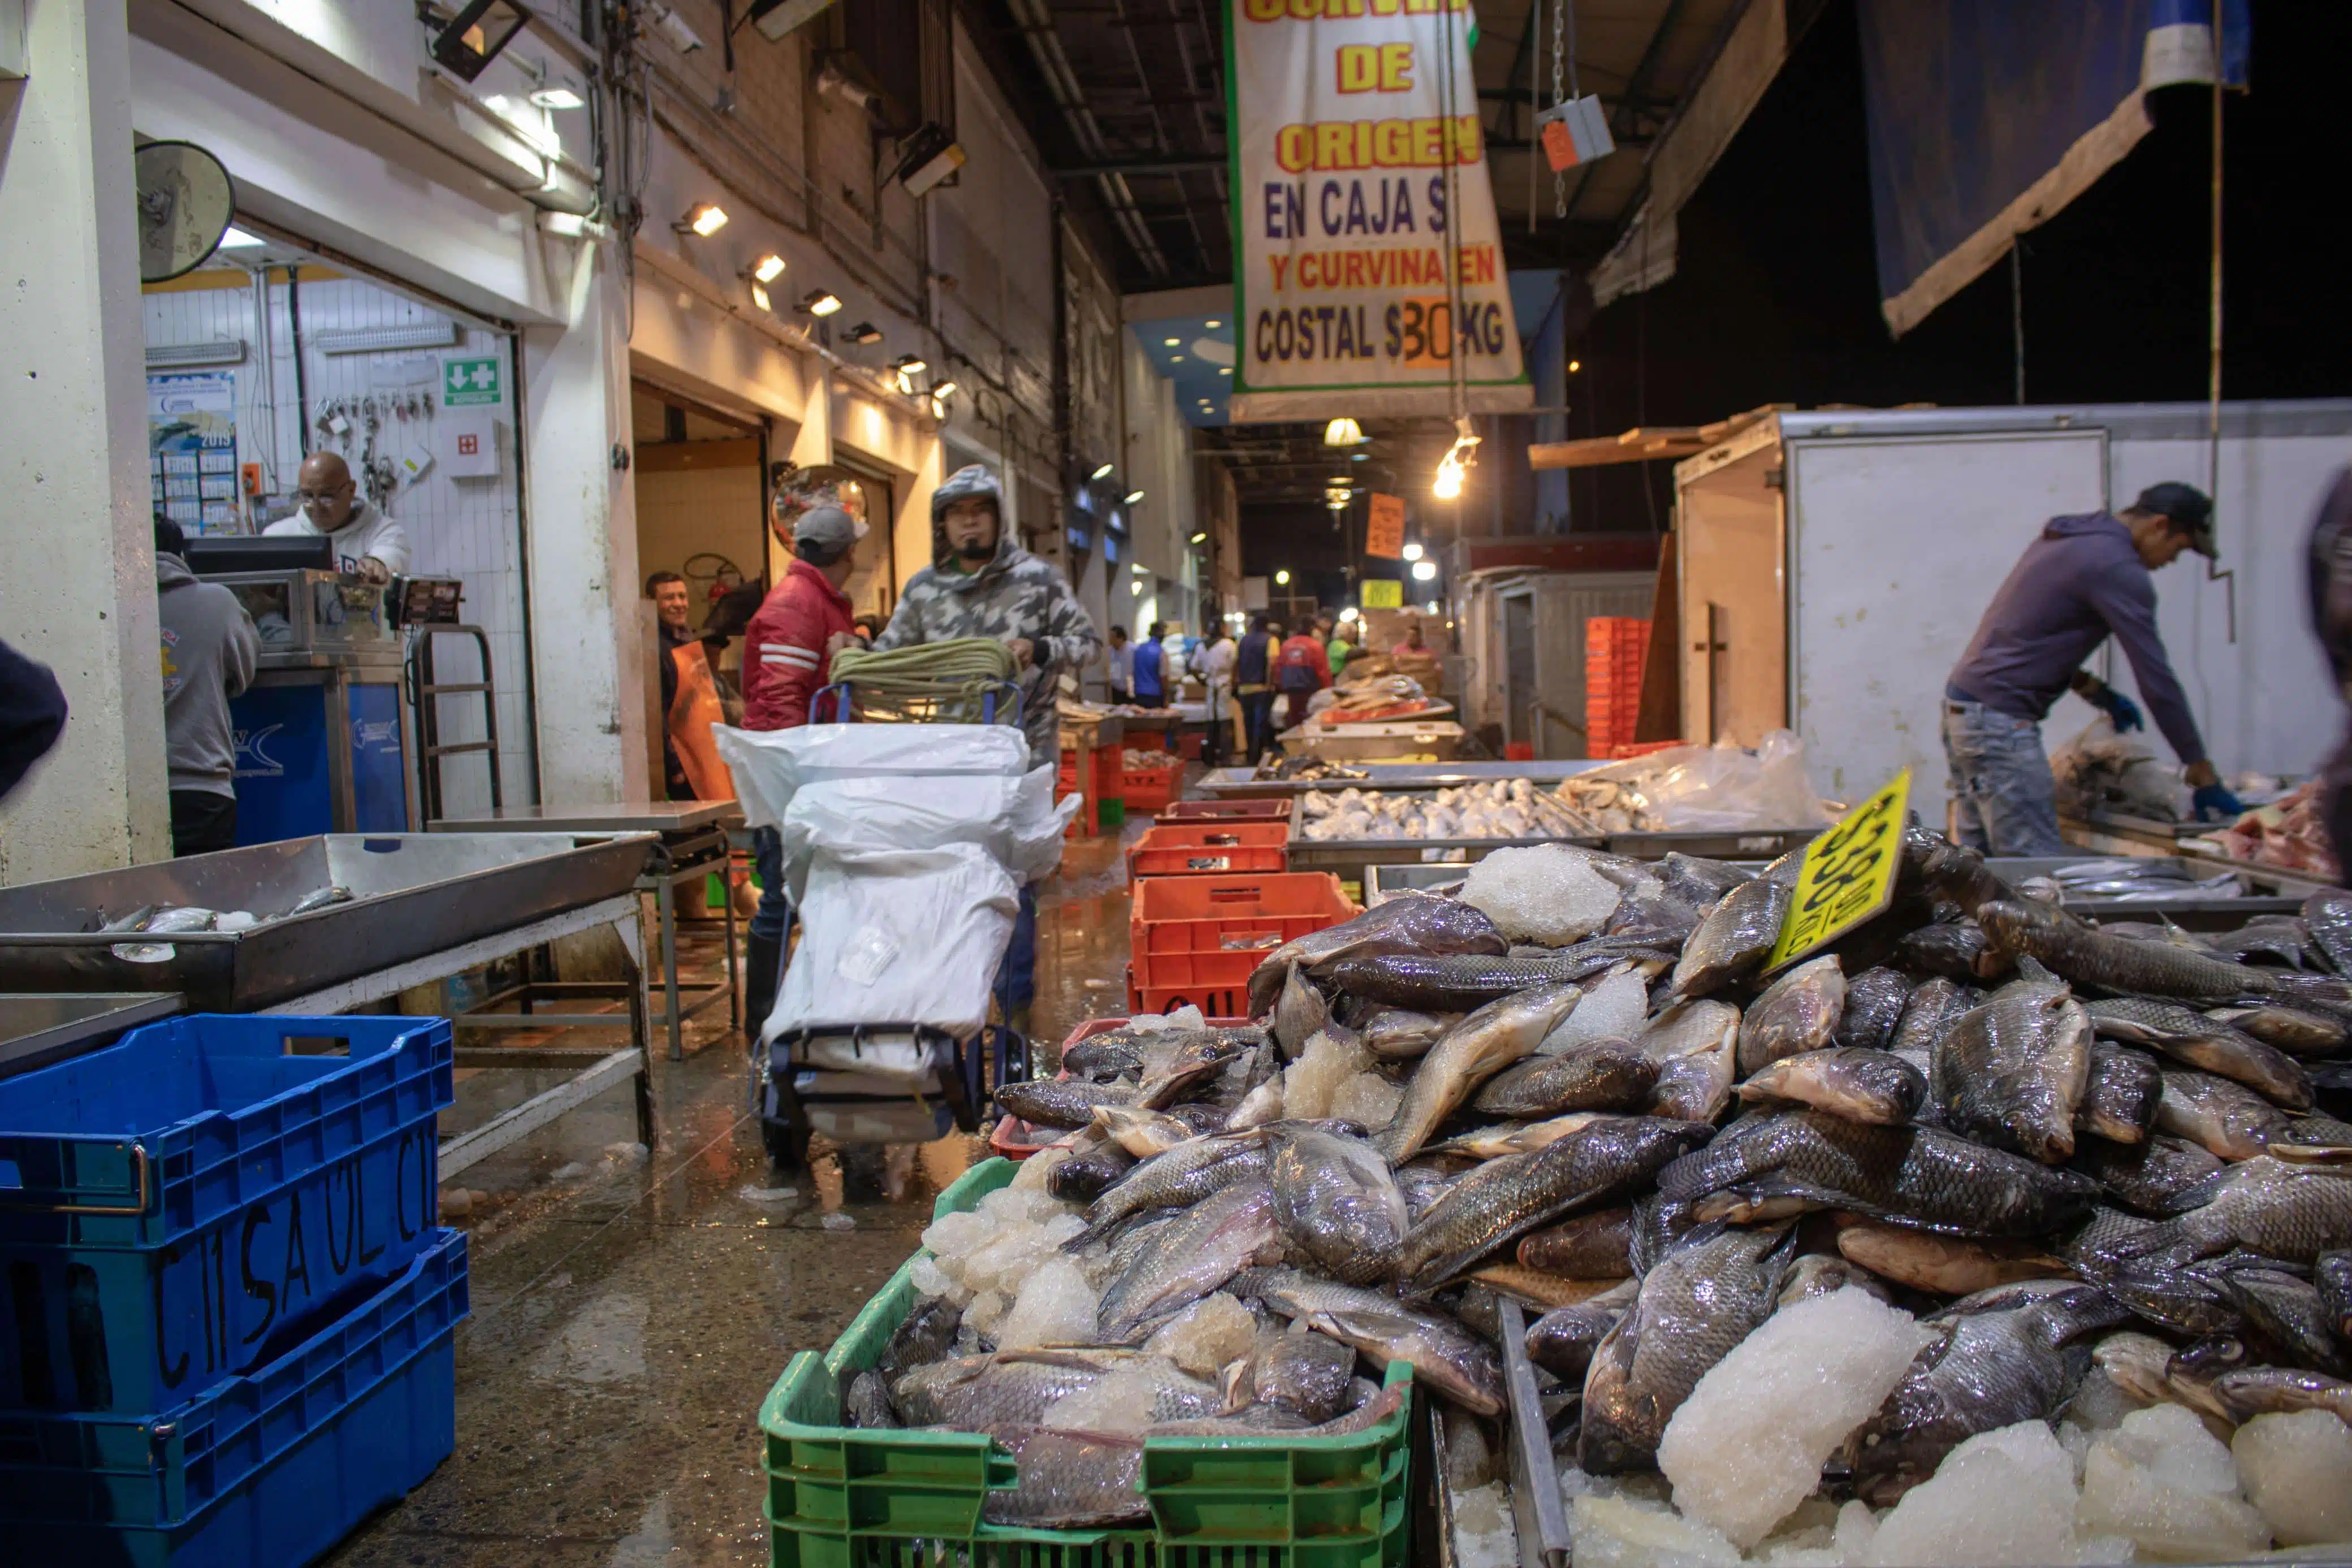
<point x="192" y="449"/>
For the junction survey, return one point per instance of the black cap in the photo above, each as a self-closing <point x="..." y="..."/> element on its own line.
<point x="2189" y="510"/>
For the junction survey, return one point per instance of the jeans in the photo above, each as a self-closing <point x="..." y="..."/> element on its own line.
<point x="2000" y="778"/>
<point x="773" y="919"/>
<point x="1016" y="972"/>
<point x="202" y="821"/>
<point x="1257" y="722"/>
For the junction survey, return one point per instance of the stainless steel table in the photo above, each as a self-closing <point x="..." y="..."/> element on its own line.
<point x="693" y="842"/>
<point x="36" y="1029"/>
<point x="1243" y="784"/>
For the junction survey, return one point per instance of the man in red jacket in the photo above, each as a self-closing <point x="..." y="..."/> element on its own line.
<point x="1301" y="669"/>
<point x="788" y="652"/>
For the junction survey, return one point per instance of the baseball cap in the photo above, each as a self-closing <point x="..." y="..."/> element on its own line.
<point x="2190" y="510"/>
<point x="829" y="526"/>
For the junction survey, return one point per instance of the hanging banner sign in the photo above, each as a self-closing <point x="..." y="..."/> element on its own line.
<point x="1383" y="593"/>
<point x="1384" y="527"/>
<point x="1369" y="254"/>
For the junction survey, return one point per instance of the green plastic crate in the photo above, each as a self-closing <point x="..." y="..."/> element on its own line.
<point x="1107" y="814"/>
<point x="852" y="1498"/>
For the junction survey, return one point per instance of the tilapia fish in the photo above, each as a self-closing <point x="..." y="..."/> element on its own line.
<point x="1142" y="1133"/>
<point x="1102" y="1057"/>
<point x="2010" y="1073"/>
<point x="1472" y="1051"/>
<point x="1999" y="1357"/>
<point x="1797" y="1013"/>
<point x="1731" y="943"/>
<point x="1695" y="1045"/>
<point x="2092" y="957"/>
<point x="1949" y="1265"/>
<point x="2186" y="1035"/>
<point x="1409" y="923"/>
<point x="1658" y="922"/>
<point x="2146" y="1177"/>
<point x="2228" y="1118"/>
<point x="1875" y="1086"/>
<point x="1337" y="1202"/>
<point x="923" y="1338"/>
<point x="1562" y="1340"/>
<point x="1959" y="949"/>
<point x="1710" y="1291"/>
<point x="1514" y="1137"/>
<point x="1422" y="1183"/>
<point x="1460" y="982"/>
<point x="1060" y="1101"/>
<point x="1177" y="1070"/>
<point x="1929" y="1013"/>
<point x="1914" y="1175"/>
<point x="1184" y="1176"/>
<point x="2287" y="1212"/>
<point x="2120" y="1097"/>
<point x="1299" y="1012"/>
<point x="866" y="1402"/>
<point x="1304" y="1373"/>
<point x="1596" y="1246"/>
<point x="1503" y="1199"/>
<point x="2290" y="1316"/>
<point x="2328" y="917"/>
<point x="1449" y="1359"/>
<point x="1189" y="1257"/>
<point x="1697" y="881"/>
<point x="1817" y="1274"/>
<point x="2292" y="1030"/>
<point x="1399" y="1034"/>
<point x="1597" y="1075"/>
<point x="978" y="1392"/>
<point x="1083" y="1177"/>
<point x="1069" y="1480"/>
<point x="1875" y="1000"/>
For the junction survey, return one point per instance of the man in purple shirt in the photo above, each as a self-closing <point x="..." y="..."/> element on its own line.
<point x="2084" y="580"/>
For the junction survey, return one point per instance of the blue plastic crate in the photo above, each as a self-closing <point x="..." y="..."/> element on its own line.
<point x="182" y="1206"/>
<point x="267" y="1471"/>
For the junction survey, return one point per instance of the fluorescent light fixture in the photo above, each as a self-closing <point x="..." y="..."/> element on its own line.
<point x="820" y="302"/>
<point x="760" y="295"/>
<point x="1360" y="456"/>
<point x="1424" y="572"/>
<point x="237" y="239"/>
<point x="1214" y="325"/>
<point x="865" y="333"/>
<point x="768" y="267"/>
<point x="1099" y="475"/>
<point x="702" y="219"/>
<point x="1175" y="359"/>
<point x="1132" y="498"/>
<point x="1224" y="370"/>
<point x="1340" y="480"/>
<point x="558" y="97"/>
<point x="1412" y="550"/>
<point x="1135" y="587"/>
<point x="1199" y="538"/>
<point x="1137" y="568"/>
<point x="1343" y="433"/>
<point x="1282" y="578"/>
<point x="1171" y="342"/>
<point x="943" y="391"/>
<point x="905" y="364"/>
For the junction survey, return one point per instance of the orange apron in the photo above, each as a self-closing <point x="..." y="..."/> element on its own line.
<point x="693" y="712"/>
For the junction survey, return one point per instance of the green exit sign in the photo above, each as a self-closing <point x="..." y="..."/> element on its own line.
<point x="465" y="382"/>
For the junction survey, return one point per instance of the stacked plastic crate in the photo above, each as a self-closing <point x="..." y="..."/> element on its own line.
<point x="1614" y="649"/>
<point x="230" y="1314"/>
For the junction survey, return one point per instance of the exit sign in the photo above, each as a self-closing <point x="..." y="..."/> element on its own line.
<point x="470" y="381"/>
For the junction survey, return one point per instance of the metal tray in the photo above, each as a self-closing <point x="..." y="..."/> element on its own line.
<point x="620" y="817"/>
<point x="1353" y="858"/>
<point x="2269" y="891"/>
<point x="38" y="1030"/>
<point x="1751" y="845"/>
<point x="1243" y="783"/>
<point x="416" y="894"/>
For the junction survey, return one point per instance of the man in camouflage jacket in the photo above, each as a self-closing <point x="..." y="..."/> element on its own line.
<point x="982" y="584"/>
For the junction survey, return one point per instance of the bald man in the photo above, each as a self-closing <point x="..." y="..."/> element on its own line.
<point x="366" y="543"/>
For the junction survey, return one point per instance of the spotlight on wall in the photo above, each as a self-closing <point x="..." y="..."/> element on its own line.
<point x="1200" y="539"/>
<point x="1133" y="497"/>
<point x="1099" y="475"/>
<point x="476" y="35"/>
<point x="673" y="28"/>
<point x="820" y="302"/>
<point x="777" y="18"/>
<point x="760" y="295"/>
<point x="943" y="391"/>
<point x="702" y="220"/>
<point x="558" y="96"/>
<point x="931" y="158"/>
<point x="907" y="366"/>
<point x="865" y="332"/>
<point x="768" y="267"/>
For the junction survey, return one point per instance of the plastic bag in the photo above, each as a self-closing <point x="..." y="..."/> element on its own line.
<point x="898" y="936"/>
<point x="2101" y="771"/>
<point x="1016" y="821"/>
<point x="772" y="765"/>
<point x="1728" y="788"/>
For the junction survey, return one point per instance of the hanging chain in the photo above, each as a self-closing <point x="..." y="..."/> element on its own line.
<point x="1558" y="64"/>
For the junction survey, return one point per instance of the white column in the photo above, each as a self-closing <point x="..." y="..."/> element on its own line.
<point x="589" y="664"/>
<point x="77" y="546"/>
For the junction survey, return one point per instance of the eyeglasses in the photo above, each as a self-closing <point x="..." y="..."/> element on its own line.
<point x="342" y="488"/>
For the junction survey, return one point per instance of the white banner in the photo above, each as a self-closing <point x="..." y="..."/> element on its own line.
<point x="1369" y="250"/>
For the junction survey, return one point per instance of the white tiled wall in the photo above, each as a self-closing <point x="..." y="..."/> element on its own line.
<point x="467" y="528"/>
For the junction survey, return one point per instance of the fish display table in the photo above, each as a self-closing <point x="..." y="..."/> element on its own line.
<point x="35" y="1030"/>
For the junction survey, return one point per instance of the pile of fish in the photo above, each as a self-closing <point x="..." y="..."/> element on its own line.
<point x="1985" y="1235"/>
<point x="2144" y="879"/>
<point x="1503" y="809"/>
<point x="169" y="919"/>
<point x="1305" y="765"/>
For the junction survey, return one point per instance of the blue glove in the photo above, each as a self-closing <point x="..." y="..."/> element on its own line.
<point x="2214" y="803"/>
<point x="2119" y="708"/>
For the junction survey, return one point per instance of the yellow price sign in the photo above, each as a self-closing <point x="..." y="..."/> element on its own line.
<point x="1847" y="876"/>
<point x="1383" y="593"/>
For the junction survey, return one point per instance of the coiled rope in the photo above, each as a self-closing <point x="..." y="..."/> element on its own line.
<point x="928" y="683"/>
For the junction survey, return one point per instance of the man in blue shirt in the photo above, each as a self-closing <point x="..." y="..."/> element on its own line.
<point x="2084" y="580"/>
<point x="1148" y="692"/>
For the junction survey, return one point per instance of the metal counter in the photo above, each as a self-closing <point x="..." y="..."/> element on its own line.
<point x="35" y="1030"/>
<point x="415" y="894"/>
<point x="1243" y="784"/>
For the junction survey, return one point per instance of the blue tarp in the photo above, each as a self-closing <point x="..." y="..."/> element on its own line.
<point x="1988" y="116"/>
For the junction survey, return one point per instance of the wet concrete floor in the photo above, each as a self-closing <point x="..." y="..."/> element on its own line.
<point x="630" y="1311"/>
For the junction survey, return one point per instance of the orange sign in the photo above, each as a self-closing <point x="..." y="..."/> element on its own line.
<point x="1384" y="533"/>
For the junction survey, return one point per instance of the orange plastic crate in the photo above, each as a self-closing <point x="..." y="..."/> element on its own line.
<point x="1225" y="811"/>
<point x="1209" y="849"/>
<point x="1214" y="1000"/>
<point x="1200" y="934"/>
<point x="1148" y="788"/>
<point x="1624" y="749"/>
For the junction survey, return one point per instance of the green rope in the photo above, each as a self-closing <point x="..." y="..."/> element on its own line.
<point x="935" y="683"/>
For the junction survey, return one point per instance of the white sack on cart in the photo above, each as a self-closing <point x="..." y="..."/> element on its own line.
<point x="1014" y="819"/>
<point x="770" y="766"/>
<point x="898" y="936"/>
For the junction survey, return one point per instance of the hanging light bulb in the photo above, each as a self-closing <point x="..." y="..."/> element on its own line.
<point x="1455" y="464"/>
<point x="1412" y="550"/>
<point x="1343" y="431"/>
<point x="1449" y="479"/>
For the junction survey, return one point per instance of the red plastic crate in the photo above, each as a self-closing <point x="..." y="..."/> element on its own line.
<point x="1209" y="849"/>
<point x="1148" y="788"/>
<point x="1225" y="811"/>
<point x="1201" y="934"/>
<point x="1213" y="1000"/>
<point x="1626" y="748"/>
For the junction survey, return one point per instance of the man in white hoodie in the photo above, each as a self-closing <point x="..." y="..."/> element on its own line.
<point x="209" y="648"/>
<point x="366" y="543"/>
